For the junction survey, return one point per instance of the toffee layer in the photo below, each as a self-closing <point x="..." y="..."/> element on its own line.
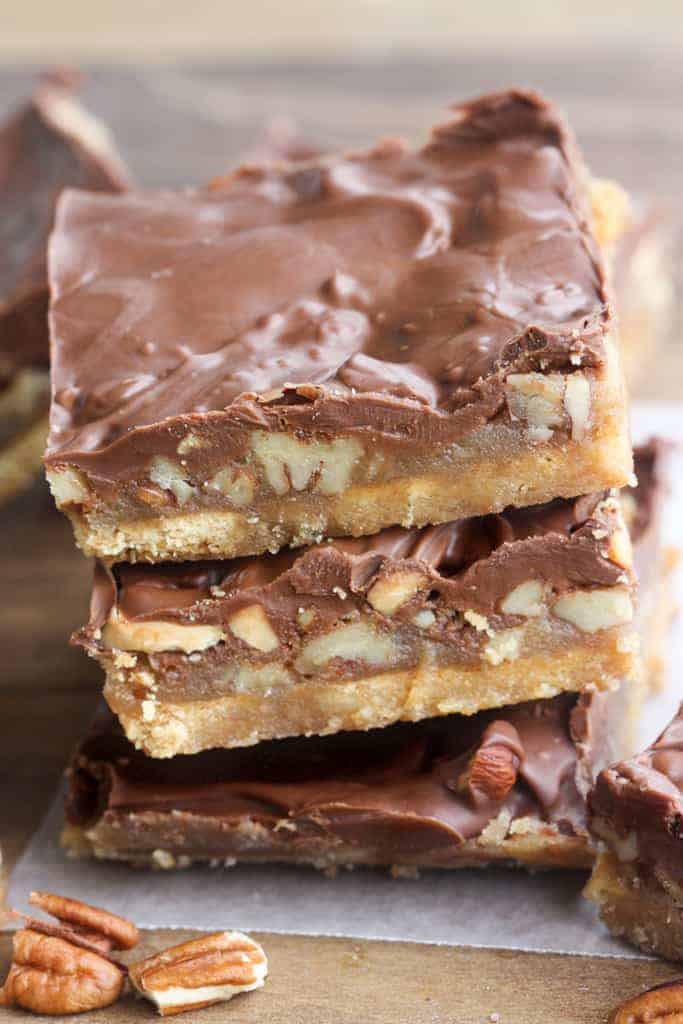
<point x="49" y="144"/>
<point x="503" y="786"/>
<point x="636" y="810"/>
<point x="329" y="348"/>
<point x="354" y="634"/>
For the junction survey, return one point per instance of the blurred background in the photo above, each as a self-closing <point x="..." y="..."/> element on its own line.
<point x="122" y="30"/>
<point x="188" y="86"/>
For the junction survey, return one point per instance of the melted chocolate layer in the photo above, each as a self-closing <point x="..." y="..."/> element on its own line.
<point x="398" y="792"/>
<point x="388" y="291"/>
<point x="48" y="145"/>
<point x="470" y="564"/>
<point x="643" y="798"/>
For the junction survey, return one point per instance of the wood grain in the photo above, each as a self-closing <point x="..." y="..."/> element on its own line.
<point x="341" y="981"/>
<point x="186" y="124"/>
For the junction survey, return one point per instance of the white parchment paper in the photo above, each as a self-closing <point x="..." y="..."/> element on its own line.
<point x="491" y="907"/>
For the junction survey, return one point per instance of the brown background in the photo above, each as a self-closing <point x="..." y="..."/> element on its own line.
<point x="346" y="73"/>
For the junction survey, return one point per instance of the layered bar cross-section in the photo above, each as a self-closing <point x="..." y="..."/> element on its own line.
<point x="356" y="634"/>
<point x="505" y="786"/>
<point x="299" y="351"/>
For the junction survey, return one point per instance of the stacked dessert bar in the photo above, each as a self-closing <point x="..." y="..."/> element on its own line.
<point x="50" y="143"/>
<point x="345" y="438"/>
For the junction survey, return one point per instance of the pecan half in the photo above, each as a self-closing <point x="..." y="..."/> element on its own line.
<point x="662" y="1004"/>
<point x="204" y="971"/>
<point x="65" y="967"/>
<point x="491" y="771"/>
<point x="100" y="927"/>
<point x="52" y="976"/>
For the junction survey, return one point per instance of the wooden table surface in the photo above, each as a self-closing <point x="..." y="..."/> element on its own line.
<point x="184" y="124"/>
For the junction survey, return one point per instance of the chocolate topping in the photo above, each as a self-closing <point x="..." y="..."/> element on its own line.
<point x="388" y="291"/>
<point x="470" y="564"/>
<point x="48" y="145"/>
<point x="643" y="797"/>
<point x="389" y="790"/>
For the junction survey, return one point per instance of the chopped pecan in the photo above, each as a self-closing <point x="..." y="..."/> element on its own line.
<point x="66" y="967"/>
<point x="199" y="973"/>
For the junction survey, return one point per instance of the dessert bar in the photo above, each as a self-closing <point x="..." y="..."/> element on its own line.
<point x="299" y="351"/>
<point x="48" y="144"/>
<point x="356" y="634"/>
<point x="502" y="786"/>
<point x="636" y="810"/>
<point x="639" y="244"/>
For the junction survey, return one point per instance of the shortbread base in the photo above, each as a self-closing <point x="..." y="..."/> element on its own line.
<point x="163" y="728"/>
<point x="636" y="907"/>
<point x="496" y="466"/>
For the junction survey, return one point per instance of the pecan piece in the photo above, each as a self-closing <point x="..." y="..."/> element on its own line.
<point x="102" y="928"/>
<point x="204" y="971"/>
<point x="53" y="976"/>
<point x="491" y="771"/>
<point x="66" y="967"/>
<point x="662" y="1004"/>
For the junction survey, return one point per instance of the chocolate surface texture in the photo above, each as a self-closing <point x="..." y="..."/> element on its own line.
<point x="300" y="330"/>
<point x="403" y="795"/>
<point x="413" y="274"/>
<point x="49" y="144"/>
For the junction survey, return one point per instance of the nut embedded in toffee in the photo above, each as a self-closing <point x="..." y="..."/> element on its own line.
<point x="299" y="351"/>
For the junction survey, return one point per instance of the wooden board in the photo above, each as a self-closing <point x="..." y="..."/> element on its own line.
<point x="179" y="125"/>
<point x="341" y="981"/>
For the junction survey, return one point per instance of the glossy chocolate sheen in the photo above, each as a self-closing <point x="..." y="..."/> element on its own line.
<point x="391" y="791"/>
<point x="471" y="564"/>
<point x="44" y="148"/>
<point x="389" y="291"/>
<point x="643" y="798"/>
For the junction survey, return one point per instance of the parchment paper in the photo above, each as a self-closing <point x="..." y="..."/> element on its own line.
<point x="492" y="907"/>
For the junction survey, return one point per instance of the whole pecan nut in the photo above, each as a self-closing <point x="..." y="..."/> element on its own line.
<point x="208" y="970"/>
<point x="52" y="976"/>
<point x="662" y="1004"/>
<point x="66" y="967"/>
